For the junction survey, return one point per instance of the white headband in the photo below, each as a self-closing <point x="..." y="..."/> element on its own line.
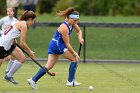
<point x="74" y="16"/>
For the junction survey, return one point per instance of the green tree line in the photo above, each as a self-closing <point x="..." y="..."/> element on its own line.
<point x="88" y="7"/>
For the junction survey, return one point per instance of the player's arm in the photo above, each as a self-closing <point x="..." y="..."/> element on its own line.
<point x="64" y="32"/>
<point x="79" y="33"/>
<point x="23" y="44"/>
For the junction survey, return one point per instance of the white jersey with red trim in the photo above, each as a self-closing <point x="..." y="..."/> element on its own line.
<point x="7" y="38"/>
<point x="5" y="22"/>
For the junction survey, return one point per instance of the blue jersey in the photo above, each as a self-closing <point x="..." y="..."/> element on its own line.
<point x="57" y="45"/>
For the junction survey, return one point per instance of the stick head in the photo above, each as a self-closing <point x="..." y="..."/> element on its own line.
<point x="53" y="74"/>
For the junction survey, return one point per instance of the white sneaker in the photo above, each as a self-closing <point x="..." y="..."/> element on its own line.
<point x="76" y="83"/>
<point x="32" y="83"/>
<point x="70" y="84"/>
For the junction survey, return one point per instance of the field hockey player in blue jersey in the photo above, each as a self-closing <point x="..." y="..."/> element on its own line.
<point x="60" y="45"/>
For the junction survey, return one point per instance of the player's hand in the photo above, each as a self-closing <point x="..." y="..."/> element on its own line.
<point x="76" y="56"/>
<point x="32" y="54"/>
<point x="81" y="41"/>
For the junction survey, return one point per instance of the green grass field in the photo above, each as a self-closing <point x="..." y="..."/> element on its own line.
<point x="104" y="77"/>
<point x="106" y="19"/>
<point x="101" y="43"/>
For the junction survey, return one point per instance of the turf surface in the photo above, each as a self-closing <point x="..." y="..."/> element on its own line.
<point x="104" y="77"/>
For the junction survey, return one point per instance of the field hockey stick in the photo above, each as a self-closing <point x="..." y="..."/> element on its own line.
<point x="79" y="51"/>
<point x="51" y="74"/>
<point x="80" y="47"/>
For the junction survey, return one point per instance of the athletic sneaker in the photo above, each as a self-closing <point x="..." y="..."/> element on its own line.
<point x="70" y="84"/>
<point x="32" y="83"/>
<point x="10" y="79"/>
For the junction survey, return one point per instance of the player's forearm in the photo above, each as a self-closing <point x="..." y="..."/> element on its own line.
<point x="25" y="46"/>
<point x="69" y="47"/>
<point x="80" y="34"/>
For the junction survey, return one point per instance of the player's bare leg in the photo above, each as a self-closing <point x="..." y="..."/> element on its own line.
<point x="18" y="54"/>
<point x="7" y="58"/>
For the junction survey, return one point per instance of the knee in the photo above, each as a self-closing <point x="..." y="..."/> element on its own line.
<point x="12" y="58"/>
<point x="23" y="59"/>
<point x="7" y="58"/>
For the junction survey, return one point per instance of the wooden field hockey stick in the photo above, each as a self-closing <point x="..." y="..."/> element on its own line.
<point x="51" y="74"/>
<point x="79" y="51"/>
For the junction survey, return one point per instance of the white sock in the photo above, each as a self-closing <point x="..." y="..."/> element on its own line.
<point x="16" y="65"/>
<point x="9" y="65"/>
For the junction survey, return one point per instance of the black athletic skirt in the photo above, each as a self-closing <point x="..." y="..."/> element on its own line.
<point x="4" y="53"/>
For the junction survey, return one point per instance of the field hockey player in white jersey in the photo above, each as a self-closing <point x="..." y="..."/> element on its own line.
<point x="4" y="23"/>
<point x="7" y="46"/>
<point x="7" y="20"/>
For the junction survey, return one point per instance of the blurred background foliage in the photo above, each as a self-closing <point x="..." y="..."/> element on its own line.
<point x="2" y="7"/>
<point x="93" y="7"/>
<point x="87" y="7"/>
